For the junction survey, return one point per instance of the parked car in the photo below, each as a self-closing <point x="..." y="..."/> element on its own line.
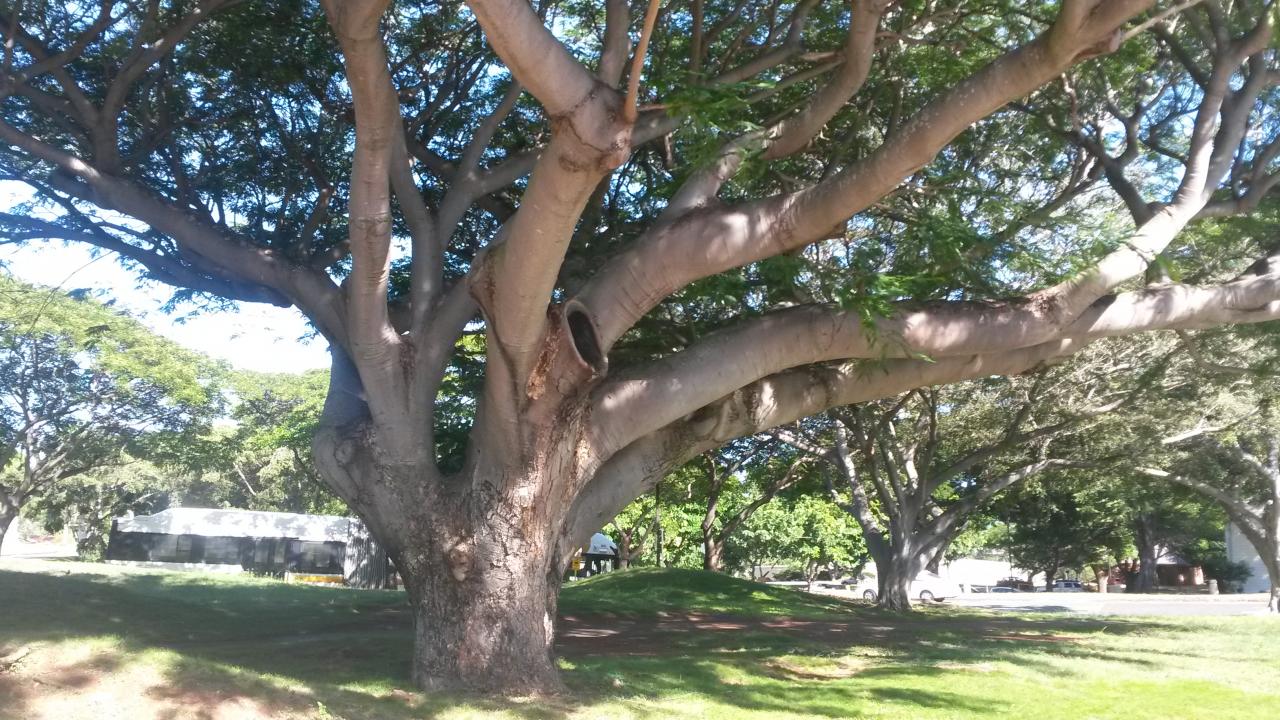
<point x="1003" y="589"/>
<point x="927" y="587"/>
<point x="1067" y="586"/>
<point x="1017" y="584"/>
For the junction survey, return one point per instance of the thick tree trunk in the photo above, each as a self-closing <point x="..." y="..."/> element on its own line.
<point x="478" y="559"/>
<point x="1145" y="580"/>
<point x="485" y="631"/>
<point x="1050" y="574"/>
<point x="894" y="587"/>
<point x="896" y="569"/>
<point x="712" y="554"/>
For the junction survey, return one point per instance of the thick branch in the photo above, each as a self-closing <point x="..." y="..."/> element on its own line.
<point x="673" y="387"/>
<point x="674" y="254"/>
<point x="535" y="57"/>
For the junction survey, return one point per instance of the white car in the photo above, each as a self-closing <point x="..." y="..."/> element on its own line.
<point x="1067" y="586"/>
<point x="927" y="587"/>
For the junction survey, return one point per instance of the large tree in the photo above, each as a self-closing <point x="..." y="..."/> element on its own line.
<point x="1063" y="521"/>
<point x="544" y="190"/>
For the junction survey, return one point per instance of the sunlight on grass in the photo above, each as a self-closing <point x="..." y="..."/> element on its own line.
<point x="156" y="643"/>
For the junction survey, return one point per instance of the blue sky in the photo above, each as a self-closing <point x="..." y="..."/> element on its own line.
<point x="255" y="337"/>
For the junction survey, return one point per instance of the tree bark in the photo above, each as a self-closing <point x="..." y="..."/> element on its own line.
<point x="1273" y="573"/>
<point x="624" y="548"/>
<point x="894" y="586"/>
<point x="935" y="561"/>
<point x="712" y="554"/>
<point x="477" y="553"/>
<point x="1144" y="537"/>
<point x="488" y="631"/>
<point x="1103" y="577"/>
<point x="7" y="514"/>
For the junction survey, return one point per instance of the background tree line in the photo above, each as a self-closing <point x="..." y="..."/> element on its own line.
<point x="100" y="417"/>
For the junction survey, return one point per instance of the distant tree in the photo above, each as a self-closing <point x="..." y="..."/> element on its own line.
<point x="1213" y="428"/>
<point x="804" y="532"/>
<point x="706" y="502"/>
<point x="1164" y="519"/>
<point x="269" y="450"/>
<point x="1063" y="521"/>
<point x="1238" y="467"/>
<point x="754" y="474"/>
<point x="88" y="504"/>
<point x="633" y="528"/>
<point x="82" y="385"/>
<point x="912" y="471"/>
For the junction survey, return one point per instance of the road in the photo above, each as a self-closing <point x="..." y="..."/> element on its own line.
<point x="1117" y="603"/>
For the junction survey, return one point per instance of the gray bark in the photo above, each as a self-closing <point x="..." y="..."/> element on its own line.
<point x="1273" y="574"/>
<point x="1102" y="575"/>
<point x="894" y="580"/>
<point x="1144" y="537"/>
<point x="477" y="552"/>
<point x="8" y="512"/>
<point x="935" y="561"/>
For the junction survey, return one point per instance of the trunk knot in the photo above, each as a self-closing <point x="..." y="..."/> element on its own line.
<point x="459" y="559"/>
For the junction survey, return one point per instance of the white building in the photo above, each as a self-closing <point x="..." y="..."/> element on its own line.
<point x="1240" y="550"/>
<point x="222" y="540"/>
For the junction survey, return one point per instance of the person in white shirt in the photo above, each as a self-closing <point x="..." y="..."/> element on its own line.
<point x="601" y="554"/>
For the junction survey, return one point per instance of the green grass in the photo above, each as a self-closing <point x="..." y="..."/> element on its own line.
<point x="649" y="591"/>
<point x="174" y="645"/>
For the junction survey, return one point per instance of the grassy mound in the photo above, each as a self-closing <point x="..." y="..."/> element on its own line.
<point x="647" y="591"/>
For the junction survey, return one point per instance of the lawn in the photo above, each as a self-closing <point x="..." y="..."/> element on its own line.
<point x="103" y="643"/>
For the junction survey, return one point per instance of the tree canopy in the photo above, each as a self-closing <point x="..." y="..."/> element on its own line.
<point x="82" y="386"/>
<point x="637" y="236"/>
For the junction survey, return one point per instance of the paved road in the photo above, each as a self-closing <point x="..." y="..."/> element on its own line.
<point x="1118" y="603"/>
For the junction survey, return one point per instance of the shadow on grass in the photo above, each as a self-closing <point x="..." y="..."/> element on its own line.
<point x="341" y="653"/>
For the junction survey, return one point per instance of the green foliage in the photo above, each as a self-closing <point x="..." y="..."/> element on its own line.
<point x="84" y="385"/>
<point x="806" y="533"/>
<point x="264" y="460"/>
<point x="1064" y="522"/>
<point x="89" y="504"/>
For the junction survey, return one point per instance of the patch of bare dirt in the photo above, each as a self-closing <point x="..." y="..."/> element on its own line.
<point x="87" y="683"/>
